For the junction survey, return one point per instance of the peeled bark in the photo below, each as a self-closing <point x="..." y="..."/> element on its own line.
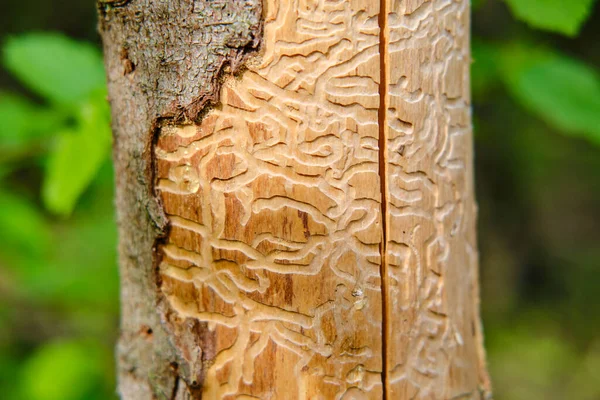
<point x="295" y="199"/>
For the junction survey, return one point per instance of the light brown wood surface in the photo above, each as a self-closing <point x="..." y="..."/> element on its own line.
<point x="433" y="344"/>
<point x="275" y="210"/>
<point x="321" y="217"/>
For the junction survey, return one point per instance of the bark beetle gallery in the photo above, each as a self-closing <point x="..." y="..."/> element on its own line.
<point x="314" y="221"/>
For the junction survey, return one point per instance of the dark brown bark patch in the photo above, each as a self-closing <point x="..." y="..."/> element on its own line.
<point x="180" y="47"/>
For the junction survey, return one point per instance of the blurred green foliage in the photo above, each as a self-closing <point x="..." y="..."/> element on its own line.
<point x="69" y="75"/>
<point x="58" y="275"/>
<point x="60" y="370"/>
<point x="562" y="16"/>
<point x="536" y="96"/>
<point x="561" y="90"/>
<point x="57" y="68"/>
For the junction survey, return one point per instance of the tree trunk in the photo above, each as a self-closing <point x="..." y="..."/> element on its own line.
<point x="295" y="199"/>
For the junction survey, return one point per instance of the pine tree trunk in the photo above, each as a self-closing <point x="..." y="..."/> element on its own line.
<point x="295" y="199"/>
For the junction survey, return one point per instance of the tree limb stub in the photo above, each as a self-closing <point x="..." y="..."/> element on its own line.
<point x="296" y="220"/>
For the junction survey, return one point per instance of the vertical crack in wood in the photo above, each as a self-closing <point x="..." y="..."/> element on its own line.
<point x="382" y="145"/>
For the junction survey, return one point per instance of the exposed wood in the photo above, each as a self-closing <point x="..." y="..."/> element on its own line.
<point x="274" y="206"/>
<point x="434" y="348"/>
<point x="339" y="155"/>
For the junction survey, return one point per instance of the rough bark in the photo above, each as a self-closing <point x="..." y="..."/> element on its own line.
<point x="163" y="60"/>
<point x="296" y="221"/>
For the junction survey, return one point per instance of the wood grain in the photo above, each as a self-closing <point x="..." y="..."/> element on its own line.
<point x="433" y="332"/>
<point x="274" y="206"/>
<point x="353" y="110"/>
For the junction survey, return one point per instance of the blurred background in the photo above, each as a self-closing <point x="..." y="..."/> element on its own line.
<point x="536" y="102"/>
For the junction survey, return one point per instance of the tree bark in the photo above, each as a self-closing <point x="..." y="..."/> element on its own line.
<point x="295" y="199"/>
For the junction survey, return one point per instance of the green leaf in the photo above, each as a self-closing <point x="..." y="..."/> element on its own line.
<point x="54" y="66"/>
<point x="23" y="121"/>
<point x="61" y="370"/>
<point x="562" y="91"/>
<point x="566" y="93"/>
<point x="16" y="115"/>
<point x="23" y="226"/>
<point x="561" y="16"/>
<point x="77" y="157"/>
